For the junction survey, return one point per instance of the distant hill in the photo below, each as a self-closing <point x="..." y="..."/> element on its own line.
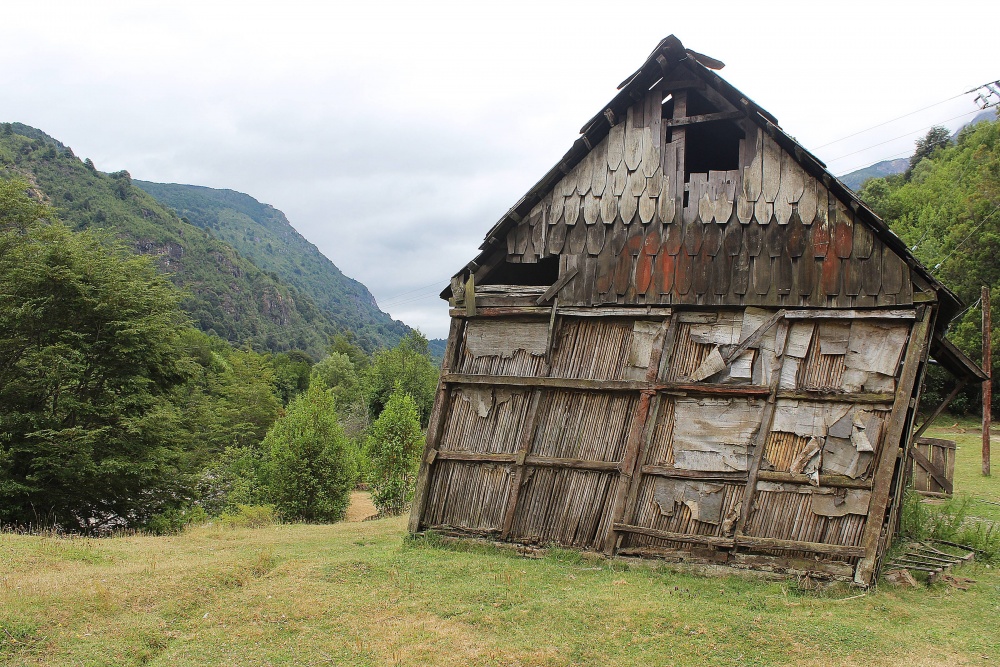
<point x="436" y="347"/>
<point x="984" y="115"/>
<point x="226" y="293"/>
<point x="856" y="179"/>
<point x="262" y="234"/>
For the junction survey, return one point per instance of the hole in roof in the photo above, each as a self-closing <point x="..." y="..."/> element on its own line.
<point x="543" y="272"/>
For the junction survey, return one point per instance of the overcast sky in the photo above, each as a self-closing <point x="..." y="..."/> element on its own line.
<point x="395" y="134"/>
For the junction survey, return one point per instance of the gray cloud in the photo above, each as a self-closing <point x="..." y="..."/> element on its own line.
<point x="394" y="135"/>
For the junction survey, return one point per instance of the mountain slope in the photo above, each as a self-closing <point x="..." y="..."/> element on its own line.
<point x="856" y="179"/>
<point x="226" y="293"/>
<point x="263" y="234"/>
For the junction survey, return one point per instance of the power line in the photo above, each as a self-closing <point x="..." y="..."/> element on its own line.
<point x="984" y="99"/>
<point x="401" y="295"/>
<point x="903" y="136"/>
<point x="969" y="236"/>
<point x="905" y="115"/>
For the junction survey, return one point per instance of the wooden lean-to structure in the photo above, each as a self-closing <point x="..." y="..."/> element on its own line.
<point x="689" y="341"/>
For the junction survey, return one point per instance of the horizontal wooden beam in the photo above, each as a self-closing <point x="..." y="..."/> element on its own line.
<point x="686" y="84"/>
<point x="709" y="540"/>
<point x="701" y="475"/>
<point x="795" y="545"/>
<point x="538" y="461"/>
<point x="473" y="457"/>
<point x="502" y="311"/>
<point x="745" y="541"/>
<point x="838" y="397"/>
<point x="493" y="308"/>
<point x="575" y="464"/>
<point x="703" y="118"/>
<point x="834" y="481"/>
<point x="588" y="384"/>
<point x="652" y="312"/>
<point x="873" y="314"/>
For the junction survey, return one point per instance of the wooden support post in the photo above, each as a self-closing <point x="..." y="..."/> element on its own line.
<point x="905" y="465"/>
<point x="678" y="136"/>
<point x="988" y="384"/>
<point x="662" y="347"/>
<point x="637" y="439"/>
<point x="885" y="463"/>
<point x="760" y="441"/>
<point x="939" y="409"/>
<point x="435" y="426"/>
<point x="527" y="434"/>
<point x="523" y="447"/>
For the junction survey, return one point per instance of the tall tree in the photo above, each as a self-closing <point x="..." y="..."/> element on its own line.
<point x="313" y="466"/>
<point x="394" y="448"/>
<point x="936" y="137"/>
<point x="407" y="368"/>
<point x="89" y="352"/>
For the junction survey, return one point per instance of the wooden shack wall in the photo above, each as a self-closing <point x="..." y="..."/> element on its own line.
<point x="625" y="434"/>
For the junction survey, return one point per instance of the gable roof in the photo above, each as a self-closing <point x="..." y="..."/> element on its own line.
<point x="669" y="53"/>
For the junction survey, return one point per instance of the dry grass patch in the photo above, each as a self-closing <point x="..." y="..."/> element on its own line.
<point x="362" y="593"/>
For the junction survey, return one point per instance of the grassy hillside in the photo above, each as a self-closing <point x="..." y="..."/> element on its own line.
<point x="263" y="234"/>
<point x="363" y="594"/>
<point x="226" y="293"/>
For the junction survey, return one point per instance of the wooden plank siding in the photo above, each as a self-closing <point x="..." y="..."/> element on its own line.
<point x="576" y="452"/>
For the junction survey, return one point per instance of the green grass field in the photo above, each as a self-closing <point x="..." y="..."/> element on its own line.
<point x="363" y="594"/>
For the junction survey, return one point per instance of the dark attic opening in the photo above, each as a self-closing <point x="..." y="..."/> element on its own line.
<point x="709" y="146"/>
<point x="544" y="272"/>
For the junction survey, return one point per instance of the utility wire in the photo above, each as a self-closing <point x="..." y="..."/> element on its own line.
<point x="903" y="136"/>
<point x="988" y="84"/>
<point x="974" y="230"/>
<point x="905" y="115"/>
<point x="400" y="296"/>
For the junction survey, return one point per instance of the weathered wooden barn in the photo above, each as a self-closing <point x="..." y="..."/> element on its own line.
<point x="688" y="340"/>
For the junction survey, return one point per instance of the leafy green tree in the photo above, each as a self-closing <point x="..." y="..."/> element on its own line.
<point x="949" y="212"/>
<point x="394" y="447"/>
<point x="343" y="343"/>
<point x="407" y="368"/>
<point x="936" y="137"/>
<point x="313" y="466"/>
<point x="89" y="352"/>
<point x="291" y="370"/>
<point x="336" y="373"/>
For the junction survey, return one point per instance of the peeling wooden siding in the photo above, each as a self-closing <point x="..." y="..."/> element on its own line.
<point x="531" y="460"/>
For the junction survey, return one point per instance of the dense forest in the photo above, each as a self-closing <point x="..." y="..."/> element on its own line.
<point x="262" y="234"/>
<point x="225" y="292"/>
<point x="946" y="207"/>
<point x="116" y="412"/>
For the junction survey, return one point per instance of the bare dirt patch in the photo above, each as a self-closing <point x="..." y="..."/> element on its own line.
<point x="361" y="507"/>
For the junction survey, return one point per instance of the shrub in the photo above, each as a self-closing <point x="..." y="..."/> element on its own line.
<point x="250" y="516"/>
<point x="174" y="520"/>
<point x="394" y="447"/>
<point x="313" y="466"/>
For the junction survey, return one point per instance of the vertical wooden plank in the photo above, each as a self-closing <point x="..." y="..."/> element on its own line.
<point x="678" y="138"/>
<point x="760" y="439"/>
<point x="988" y="385"/>
<point x="435" y="425"/>
<point x="635" y="441"/>
<point x="886" y="463"/>
<point x="524" y="445"/>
